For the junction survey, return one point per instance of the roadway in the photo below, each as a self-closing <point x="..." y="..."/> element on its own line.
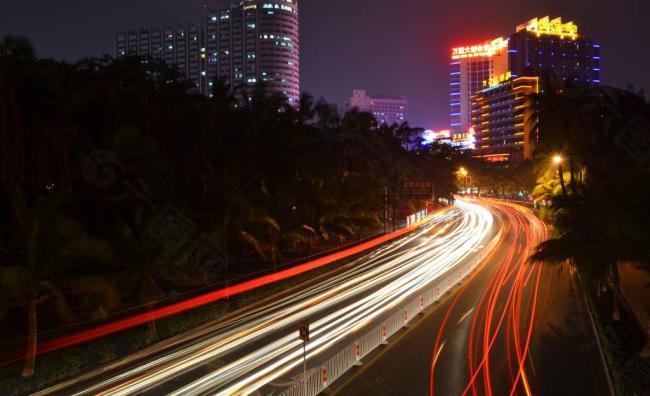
<point x="258" y="347"/>
<point x="513" y="328"/>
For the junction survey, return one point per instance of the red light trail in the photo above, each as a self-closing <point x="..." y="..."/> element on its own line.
<point x="507" y="307"/>
<point x="217" y="295"/>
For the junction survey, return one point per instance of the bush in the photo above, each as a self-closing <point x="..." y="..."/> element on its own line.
<point x="622" y="342"/>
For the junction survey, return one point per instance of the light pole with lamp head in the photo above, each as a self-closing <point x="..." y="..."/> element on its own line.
<point x="558" y="160"/>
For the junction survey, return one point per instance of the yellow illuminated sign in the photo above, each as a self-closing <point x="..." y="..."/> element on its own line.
<point x="481" y="50"/>
<point x="496" y="80"/>
<point x="548" y="26"/>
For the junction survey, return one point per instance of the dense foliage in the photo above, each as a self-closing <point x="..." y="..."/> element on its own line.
<point x="599" y="189"/>
<point x="500" y="180"/>
<point x="599" y="184"/>
<point x="118" y="189"/>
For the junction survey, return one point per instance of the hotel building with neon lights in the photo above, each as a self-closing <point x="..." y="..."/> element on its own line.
<point x="469" y="67"/>
<point x="504" y="120"/>
<point x="500" y="114"/>
<point x="251" y="41"/>
<point x="543" y="46"/>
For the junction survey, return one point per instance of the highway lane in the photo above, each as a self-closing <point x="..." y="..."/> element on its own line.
<point x="246" y="353"/>
<point x="513" y="328"/>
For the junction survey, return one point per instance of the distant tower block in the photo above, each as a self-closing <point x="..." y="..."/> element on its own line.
<point x="252" y="41"/>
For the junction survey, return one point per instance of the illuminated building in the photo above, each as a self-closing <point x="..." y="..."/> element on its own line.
<point x="429" y="136"/>
<point x="544" y="46"/>
<point x="388" y="110"/>
<point x="469" y="67"/>
<point x="253" y="41"/>
<point x="465" y="140"/>
<point x="490" y="82"/>
<point x="503" y="117"/>
<point x="191" y="49"/>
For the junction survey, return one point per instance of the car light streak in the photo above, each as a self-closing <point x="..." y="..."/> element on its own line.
<point x="336" y="308"/>
<point x="425" y="266"/>
<point x="195" y="302"/>
<point x="269" y="318"/>
<point x="507" y="307"/>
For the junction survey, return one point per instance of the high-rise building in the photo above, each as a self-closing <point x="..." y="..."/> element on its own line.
<point x="544" y="46"/>
<point x="491" y="83"/>
<point x="182" y="47"/>
<point x="387" y="109"/>
<point x="252" y="41"/>
<point x="470" y="66"/>
<point x="504" y="120"/>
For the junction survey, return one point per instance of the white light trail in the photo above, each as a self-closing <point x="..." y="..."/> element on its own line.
<point x="338" y="307"/>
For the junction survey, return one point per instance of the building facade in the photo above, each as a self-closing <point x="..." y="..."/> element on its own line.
<point x="490" y="83"/>
<point x="550" y="47"/>
<point x="470" y="66"/>
<point x="253" y="41"/>
<point x="505" y="120"/>
<point x="388" y="110"/>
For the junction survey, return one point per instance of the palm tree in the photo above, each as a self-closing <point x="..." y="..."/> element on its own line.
<point x="54" y="245"/>
<point x="601" y="222"/>
<point x="15" y="54"/>
<point x="306" y="109"/>
<point x="15" y="51"/>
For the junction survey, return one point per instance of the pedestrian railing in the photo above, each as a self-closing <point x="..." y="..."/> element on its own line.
<point x="373" y="337"/>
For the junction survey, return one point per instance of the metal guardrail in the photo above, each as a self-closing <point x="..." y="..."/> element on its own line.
<point x="370" y="339"/>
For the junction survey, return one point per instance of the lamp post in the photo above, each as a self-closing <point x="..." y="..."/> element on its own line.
<point x="304" y="336"/>
<point x="558" y="160"/>
<point x="463" y="172"/>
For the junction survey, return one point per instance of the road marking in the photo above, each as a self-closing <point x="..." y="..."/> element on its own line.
<point x="465" y="316"/>
<point x="435" y="359"/>
<point x="530" y="358"/>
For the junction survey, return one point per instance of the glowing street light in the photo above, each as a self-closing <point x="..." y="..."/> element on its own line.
<point x="462" y="172"/>
<point x="557" y="160"/>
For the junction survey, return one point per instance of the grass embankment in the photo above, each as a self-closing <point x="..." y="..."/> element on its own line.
<point x="622" y="341"/>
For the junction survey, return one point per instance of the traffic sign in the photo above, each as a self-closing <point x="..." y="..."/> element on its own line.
<point x="421" y="190"/>
<point x="304" y="332"/>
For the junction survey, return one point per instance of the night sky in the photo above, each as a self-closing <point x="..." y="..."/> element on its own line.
<point x="397" y="47"/>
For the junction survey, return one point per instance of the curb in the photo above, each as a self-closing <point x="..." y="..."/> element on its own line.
<point x="610" y="384"/>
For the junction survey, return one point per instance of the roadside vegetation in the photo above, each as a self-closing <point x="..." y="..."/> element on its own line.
<point x="119" y="191"/>
<point x="594" y="174"/>
<point x="590" y="180"/>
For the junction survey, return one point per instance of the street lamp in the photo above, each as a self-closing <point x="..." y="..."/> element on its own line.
<point x="463" y="172"/>
<point x="557" y="160"/>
